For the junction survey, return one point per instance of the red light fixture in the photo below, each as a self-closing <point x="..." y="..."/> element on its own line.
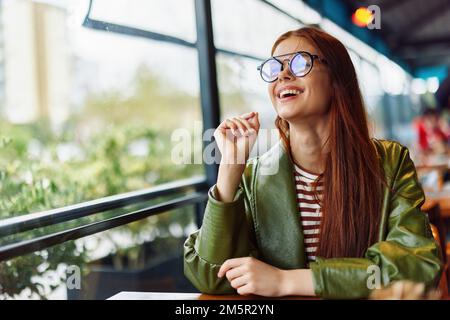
<point x="362" y="17"/>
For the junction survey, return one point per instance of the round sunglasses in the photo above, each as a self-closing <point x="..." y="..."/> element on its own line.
<point x="299" y="65"/>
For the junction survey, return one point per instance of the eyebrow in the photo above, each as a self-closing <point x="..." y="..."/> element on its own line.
<point x="287" y="54"/>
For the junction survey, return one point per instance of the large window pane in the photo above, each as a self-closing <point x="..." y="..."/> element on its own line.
<point x="154" y="15"/>
<point x="99" y="111"/>
<point x="253" y="29"/>
<point x="86" y="114"/>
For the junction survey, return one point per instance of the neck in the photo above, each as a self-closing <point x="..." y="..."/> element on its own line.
<point x="308" y="143"/>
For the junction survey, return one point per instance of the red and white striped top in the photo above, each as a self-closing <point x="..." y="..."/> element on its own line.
<point x="309" y="209"/>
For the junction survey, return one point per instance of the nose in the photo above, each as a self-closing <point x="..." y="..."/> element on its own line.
<point x="285" y="74"/>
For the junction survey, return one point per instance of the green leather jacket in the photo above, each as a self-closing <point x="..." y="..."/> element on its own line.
<point x="262" y="222"/>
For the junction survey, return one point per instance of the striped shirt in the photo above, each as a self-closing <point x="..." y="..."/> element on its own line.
<point x="310" y="212"/>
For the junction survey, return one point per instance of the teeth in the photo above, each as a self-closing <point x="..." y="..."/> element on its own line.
<point x="285" y="92"/>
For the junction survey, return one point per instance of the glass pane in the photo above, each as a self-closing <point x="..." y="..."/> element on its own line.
<point x="299" y="10"/>
<point x="371" y="82"/>
<point x="98" y="119"/>
<point x="393" y="78"/>
<point x="99" y="113"/>
<point x="153" y="15"/>
<point x="369" y="79"/>
<point x="253" y="29"/>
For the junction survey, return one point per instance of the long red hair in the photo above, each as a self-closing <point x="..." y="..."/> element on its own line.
<point x="353" y="179"/>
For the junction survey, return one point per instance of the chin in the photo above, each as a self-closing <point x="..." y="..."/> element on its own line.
<point x="288" y="112"/>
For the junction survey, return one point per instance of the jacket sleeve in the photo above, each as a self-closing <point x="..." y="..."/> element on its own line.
<point x="226" y="232"/>
<point x="407" y="252"/>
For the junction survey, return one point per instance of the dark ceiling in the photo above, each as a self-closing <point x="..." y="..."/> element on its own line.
<point x="417" y="31"/>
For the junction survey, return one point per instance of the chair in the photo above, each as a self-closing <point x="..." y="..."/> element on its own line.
<point x="443" y="282"/>
<point x="431" y="207"/>
<point x="433" y="210"/>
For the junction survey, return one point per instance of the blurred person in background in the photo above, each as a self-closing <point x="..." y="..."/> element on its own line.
<point x="443" y="93"/>
<point x="432" y="133"/>
<point x="432" y="149"/>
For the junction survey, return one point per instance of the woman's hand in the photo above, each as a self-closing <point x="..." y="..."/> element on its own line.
<point x="235" y="138"/>
<point x="252" y="276"/>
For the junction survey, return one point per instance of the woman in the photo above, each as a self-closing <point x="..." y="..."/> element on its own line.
<point x="341" y="212"/>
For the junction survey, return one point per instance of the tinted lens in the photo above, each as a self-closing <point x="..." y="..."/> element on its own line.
<point x="301" y="64"/>
<point x="270" y="70"/>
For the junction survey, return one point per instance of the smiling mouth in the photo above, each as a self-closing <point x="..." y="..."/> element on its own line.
<point x="284" y="94"/>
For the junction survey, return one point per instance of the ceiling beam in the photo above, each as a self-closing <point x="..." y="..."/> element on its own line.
<point x="429" y="61"/>
<point x="412" y="55"/>
<point x="415" y="25"/>
<point x="385" y="5"/>
<point x="429" y="56"/>
<point x="430" y="41"/>
<point x="389" y="5"/>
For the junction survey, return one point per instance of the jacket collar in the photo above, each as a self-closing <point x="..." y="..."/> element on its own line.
<point x="278" y="223"/>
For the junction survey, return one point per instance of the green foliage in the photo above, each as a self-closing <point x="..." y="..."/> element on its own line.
<point x="92" y="156"/>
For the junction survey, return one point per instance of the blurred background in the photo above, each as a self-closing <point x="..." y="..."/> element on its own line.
<point x="91" y="93"/>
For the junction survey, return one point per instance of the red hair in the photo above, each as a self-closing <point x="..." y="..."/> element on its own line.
<point x="351" y="203"/>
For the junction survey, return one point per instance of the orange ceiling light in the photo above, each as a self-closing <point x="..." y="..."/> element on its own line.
<point x="362" y="17"/>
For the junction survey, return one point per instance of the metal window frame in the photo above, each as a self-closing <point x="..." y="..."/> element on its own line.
<point x="41" y="219"/>
<point x="39" y="243"/>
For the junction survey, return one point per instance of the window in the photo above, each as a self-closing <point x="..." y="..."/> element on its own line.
<point x="88" y="114"/>
<point x="254" y="29"/>
<point x="100" y="107"/>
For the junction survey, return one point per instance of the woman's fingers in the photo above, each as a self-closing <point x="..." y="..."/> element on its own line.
<point x="245" y="126"/>
<point x="230" y="124"/>
<point x="252" y="118"/>
<point x="239" y="281"/>
<point x="247" y="115"/>
<point x="237" y="127"/>
<point x="229" y="264"/>
<point x="245" y="290"/>
<point x="235" y="272"/>
<point x="254" y="121"/>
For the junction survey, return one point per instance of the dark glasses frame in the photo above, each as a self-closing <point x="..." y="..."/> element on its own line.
<point x="295" y="54"/>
